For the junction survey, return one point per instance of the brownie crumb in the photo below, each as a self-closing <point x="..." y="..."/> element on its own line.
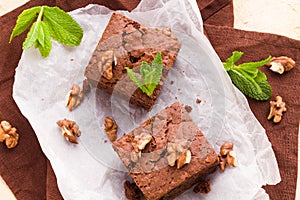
<point x="198" y="101"/>
<point x="105" y="141"/>
<point x="188" y="108"/>
<point x="132" y="192"/>
<point x="172" y="82"/>
<point x="202" y="187"/>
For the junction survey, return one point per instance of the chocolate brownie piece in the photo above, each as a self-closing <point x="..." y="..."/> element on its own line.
<point x="126" y="43"/>
<point x="172" y="129"/>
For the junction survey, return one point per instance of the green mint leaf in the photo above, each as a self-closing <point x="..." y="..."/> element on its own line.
<point x="136" y="80"/>
<point x="252" y="72"/>
<point x="62" y="26"/>
<point x="229" y="63"/>
<point x="260" y="77"/>
<point x="34" y="32"/>
<point x="50" y="22"/>
<point x="44" y="48"/>
<point x="24" y="20"/>
<point x="152" y="78"/>
<point x="258" y="91"/>
<point x="41" y="34"/>
<point x="248" y="78"/>
<point x="150" y="75"/>
<point x="32" y="36"/>
<point x="251" y="65"/>
<point x="144" y="70"/>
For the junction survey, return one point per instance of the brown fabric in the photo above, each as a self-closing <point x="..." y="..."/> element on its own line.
<point x="27" y="171"/>
<point x="283" y="136"/>
<point x="216" y="12"/>
<point x="52" y="191"/>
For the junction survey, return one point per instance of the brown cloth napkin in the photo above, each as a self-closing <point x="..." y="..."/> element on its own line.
<point x="29" y="174"/>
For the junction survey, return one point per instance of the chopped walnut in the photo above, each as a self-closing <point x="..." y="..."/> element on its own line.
<point x="276" y="109"/>
<point x="8" y="134"/>
<point x="69" y="129"/>
<point x="281" y="64"/>
<point x="227" y="156"/>
<point x="135" y="156"/>
<point x="167" y="31"/>
<point x="132" y="192"/>
<point x="184" y="158"/>
<point x="178" y="150"/>
<point x="74" y="97"/>
<point x="111" y="128"/>
<point x="202" y="187"/>
<point x="106" y="64"/>
<point x="140" y="141"/>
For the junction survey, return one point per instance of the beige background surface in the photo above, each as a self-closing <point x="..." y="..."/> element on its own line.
<point x="272" y="16"/>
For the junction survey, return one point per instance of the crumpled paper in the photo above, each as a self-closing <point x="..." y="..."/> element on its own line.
<point x="91" y="169"/>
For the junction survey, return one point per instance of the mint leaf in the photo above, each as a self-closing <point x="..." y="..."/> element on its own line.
<point x="62" y="26"/>
<point x="24" y="20"/>
<point x="32" y="36"/>
<point x="34" y="32"/>
<point x="44" y="48"/>
<point x="248" y="78"/>
<point x="229" y="63"/>
<point x="150" y="75"/>
<point x="50" y="22"/>
<point x="258" y="91"/>
<point x="260" y="77"/>
<point x="136" y="80"/>
<point x="249" y="71"/>
<point x="250" y="65"/>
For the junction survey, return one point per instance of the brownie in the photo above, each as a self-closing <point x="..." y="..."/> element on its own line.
<point x="127" y="43"/>
<point x="151" y="169"/>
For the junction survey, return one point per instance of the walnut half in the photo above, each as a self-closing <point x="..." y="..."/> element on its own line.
<point x="74" y="97"/>
<point x="69" y="130"/>
<point x="8" y="134"/>
<point x="276" y="109"/>
<point x="281" y="64"/>
<point x="227" y="156"/>
<point x="111" y="128"/>
<point x="177" y="152"/>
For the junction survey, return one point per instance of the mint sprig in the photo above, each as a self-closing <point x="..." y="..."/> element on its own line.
<point x="150" y="75"/>
<point x="248" y="78"/>
<point x="46" y="23"/>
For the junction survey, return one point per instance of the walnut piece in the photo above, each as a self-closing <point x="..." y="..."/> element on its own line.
<point x="227" y="156"/>
<point x="202" y="187"/>
<point x="281" y="64"/>
<point x="184" y="158"/>
<point x="106" y="63"/>
<point x="140" y="141"/>
<point x="177" y="152"/>
<point x="74" y="97"/>
<point x="135" y="156"/>
<point x="276" y="109"/>
<point x="69" y="129"/>
<point x="111" y="128"/>
<point x="8" y="134"/>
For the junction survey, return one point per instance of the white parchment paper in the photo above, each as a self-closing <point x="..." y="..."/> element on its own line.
<point x="91" y="169"/>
